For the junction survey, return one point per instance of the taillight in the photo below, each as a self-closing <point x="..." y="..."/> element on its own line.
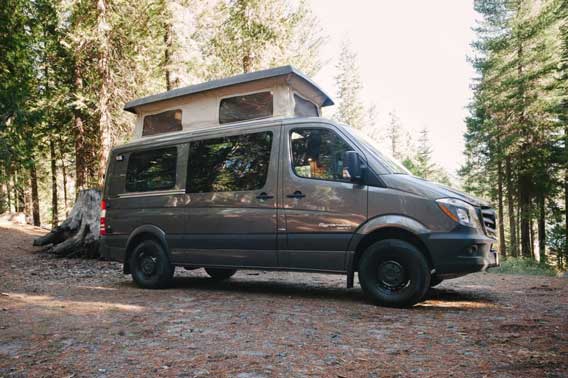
<point x="102" y="228"/>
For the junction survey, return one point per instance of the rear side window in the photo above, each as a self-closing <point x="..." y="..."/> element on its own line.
<point x="229" y="164"/>
<point x="151" y="170"/>
<point x="318" y="154"/>
<point x="164" y="122"/>
<point x="304" y="108"/>
<point x="245" y="107"/>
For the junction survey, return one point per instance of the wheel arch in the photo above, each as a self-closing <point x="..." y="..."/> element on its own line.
<point x="143" y="233"/>
<point x="386" y="227"/>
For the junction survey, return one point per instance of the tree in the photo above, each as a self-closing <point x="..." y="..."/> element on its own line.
<point x="248" y="35"/>
<point x="512" y="137"/>
<point x="393" y="135"/>
<point x="350" y="110"/>
<point x="423" y="161"/>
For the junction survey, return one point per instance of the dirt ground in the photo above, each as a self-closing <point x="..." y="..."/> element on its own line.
<point x="80" y="318"/>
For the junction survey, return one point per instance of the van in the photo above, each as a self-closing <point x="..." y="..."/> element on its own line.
<point x="291" y="194"/>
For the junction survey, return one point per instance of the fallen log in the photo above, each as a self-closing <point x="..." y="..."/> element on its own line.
<point x="78" y="235"/>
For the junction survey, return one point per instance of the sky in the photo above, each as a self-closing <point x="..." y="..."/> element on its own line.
<point x="412" y="59"/>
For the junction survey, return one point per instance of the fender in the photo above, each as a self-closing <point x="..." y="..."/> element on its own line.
<point x="374" y="224"/>
<point x="150" y="229"/>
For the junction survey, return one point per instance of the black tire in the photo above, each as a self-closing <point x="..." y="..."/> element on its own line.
<point x="435" y="281"/>
<point x="394" y="273"/>
<point x="220" y="274"/>
<point x="150" y="266"/>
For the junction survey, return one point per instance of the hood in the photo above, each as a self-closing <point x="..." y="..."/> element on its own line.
<point x="429" y="189"/>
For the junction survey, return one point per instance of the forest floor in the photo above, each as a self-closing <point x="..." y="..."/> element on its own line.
<point x="84" y="318"/>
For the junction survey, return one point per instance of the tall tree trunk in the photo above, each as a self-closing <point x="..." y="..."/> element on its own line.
<point x="54" y="207"/>
<point x="8" y="189"/>
<point x="15" y="186"/>
<point x="542" y="228"/>
<point x="524" y="205"/>
<point x="79" y="130"/>
<point x="64" y="175"/>
<point x="19" y="193"/>
<point x="35" y="195"/>
<point x="167" y="53"/>
<point x="104" y="95"/>
<point x="247" y="62"/>
<point x="501" y="225"/>
<point x="511" y="208"/>
<point x="566" y="187"/>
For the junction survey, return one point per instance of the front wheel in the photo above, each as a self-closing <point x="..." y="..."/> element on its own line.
<point x="150" y="266"/>
<point x="394" y="273"/>
<point x="220" y="274"/>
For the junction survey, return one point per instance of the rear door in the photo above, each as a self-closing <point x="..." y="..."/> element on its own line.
<point x="146" y="189"/>
<point x="322" y="207"/>
<point x="231" y="200"/>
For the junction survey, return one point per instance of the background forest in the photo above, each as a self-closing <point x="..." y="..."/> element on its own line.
<point x="67" y="67"/>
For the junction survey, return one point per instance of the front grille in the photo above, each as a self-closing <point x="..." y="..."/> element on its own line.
<point x="489" y="221"/>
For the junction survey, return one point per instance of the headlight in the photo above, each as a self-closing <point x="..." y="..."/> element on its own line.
<point x="460" y="212"/>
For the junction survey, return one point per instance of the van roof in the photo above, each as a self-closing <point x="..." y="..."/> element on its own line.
<point x="166" y="138"/>
<point x="227" y="82"/>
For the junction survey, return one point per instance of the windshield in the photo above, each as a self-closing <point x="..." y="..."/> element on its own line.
<point x="372" y="147"/>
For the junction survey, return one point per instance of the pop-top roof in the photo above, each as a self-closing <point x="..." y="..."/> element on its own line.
<point x="227" y="82"/>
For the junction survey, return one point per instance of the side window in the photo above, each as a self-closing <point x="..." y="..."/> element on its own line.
<point x="304" y="108"/>
<point x="164" y="122"/>
<point x="229" y="164"/>
<point x="242" y="108"/>
<point x="151" y="170"/>
<point x="318" y="154"/>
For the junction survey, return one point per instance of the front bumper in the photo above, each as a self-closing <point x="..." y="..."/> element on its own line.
<point x="461" y="252"/>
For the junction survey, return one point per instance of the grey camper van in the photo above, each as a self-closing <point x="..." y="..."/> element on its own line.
<point x="261" y="181"/>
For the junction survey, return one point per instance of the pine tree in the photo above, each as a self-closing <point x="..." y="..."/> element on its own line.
<point x="423" y="161"/>
<point x="394" y="136"/>
<point x="249" y="35"/>
<point x="350" y="110"/>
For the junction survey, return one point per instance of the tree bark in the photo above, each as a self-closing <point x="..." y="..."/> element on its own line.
<point x="524" y="204"/>
<point x="542" y="228"/>
<point x="79" y="130"/>
<point x="54" y="207"/>
<point x="8" y="189"/>
<point x="104" y="95"/>
<point x="78" y="235"/>
<point x="511" y="208"/>
<point x="64" y="176"/>
<point x="501" y="225"/>
<point x="35" y="196"/>
<point x="168" y="42"/>
<point x="19" y="193"/>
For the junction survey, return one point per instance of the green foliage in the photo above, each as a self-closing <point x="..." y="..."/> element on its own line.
<point x="524" y="266"/>
<point x="248" y="35"/>
<point x="514" y="138"/>
<point x="68" y="67"/>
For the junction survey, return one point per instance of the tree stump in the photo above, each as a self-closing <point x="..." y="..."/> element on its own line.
<point x="78" y="235"/>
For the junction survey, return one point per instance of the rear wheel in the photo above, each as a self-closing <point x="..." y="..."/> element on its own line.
<point x="394" y="273"/>
<point x="150" y="266"/>
<point x="220" y="274"/>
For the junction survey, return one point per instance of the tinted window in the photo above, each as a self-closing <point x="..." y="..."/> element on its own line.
<point x="304" y="108"/>
<point x="151" y="170"/>
<point x="318" y="153"/>
<point x="228" y="164"/>
<point x="241" y="108"/>
<point x="164" y="122"/>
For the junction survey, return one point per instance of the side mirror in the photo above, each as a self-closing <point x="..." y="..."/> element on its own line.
<point x="353" y="164"/>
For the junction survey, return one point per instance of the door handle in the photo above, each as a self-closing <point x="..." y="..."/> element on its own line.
<point x="264" y="196"/>
<point x="297" y="194"/>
